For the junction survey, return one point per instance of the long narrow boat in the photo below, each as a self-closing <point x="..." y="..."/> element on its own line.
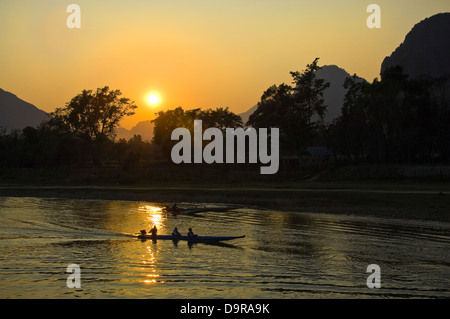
<point x="193" y="239"/>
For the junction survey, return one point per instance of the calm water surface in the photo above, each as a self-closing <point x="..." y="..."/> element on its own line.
<point x="284" y="255"/>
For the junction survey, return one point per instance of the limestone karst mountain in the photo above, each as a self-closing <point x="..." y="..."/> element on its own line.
<point x="425" y="50"/>
<point x="333" y="96"/>
<point x="18" y="114"/>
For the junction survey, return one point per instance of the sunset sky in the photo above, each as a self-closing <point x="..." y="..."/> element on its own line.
<point x="191" y="53"/>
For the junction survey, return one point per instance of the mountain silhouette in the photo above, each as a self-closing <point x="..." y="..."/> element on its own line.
<point x="333" y="95"/>
<point x="18" y="114"/>
<point x="244" y="116"/>
<point x="143" y="128"/>
<point x="425" y="50"/>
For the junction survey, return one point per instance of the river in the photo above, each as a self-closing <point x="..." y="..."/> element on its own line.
<point x="284" y="254"/>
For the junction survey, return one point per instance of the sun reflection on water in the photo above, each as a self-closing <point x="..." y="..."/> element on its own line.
<point x="149" y="262"/>
<point x="154" y="215"/>
<point x="149" y="266"/>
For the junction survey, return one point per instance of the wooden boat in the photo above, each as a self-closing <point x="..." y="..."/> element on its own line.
<point x="193" y="239"/>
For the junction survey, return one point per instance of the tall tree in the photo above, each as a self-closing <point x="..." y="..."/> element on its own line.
<point x="220" y="118"/>
<point x="167" y="121"/>
<point x="308" y="95"/>
<point x="348" y="134"/>
<point x="298" y="111"/>
<point x="94" y="116"/>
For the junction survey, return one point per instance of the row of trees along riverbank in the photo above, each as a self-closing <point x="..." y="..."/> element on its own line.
<point x="395" y="120"/>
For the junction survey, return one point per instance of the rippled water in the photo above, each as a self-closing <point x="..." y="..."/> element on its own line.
<point x="284" y="255"/>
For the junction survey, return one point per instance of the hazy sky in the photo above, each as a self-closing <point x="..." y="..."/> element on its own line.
<point x="194" y="53"/>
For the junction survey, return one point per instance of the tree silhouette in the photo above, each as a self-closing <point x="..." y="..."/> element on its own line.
<point x="298" y="111"/>
<point x="308" y="95"/>
<point x="167" y="121"/>
<point x="94" y="116"/>
<point x="395" y="120"/>
<point x="220" y="118"/>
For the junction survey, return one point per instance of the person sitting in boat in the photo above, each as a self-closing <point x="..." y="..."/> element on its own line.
<point x="143" y="232"/>
<point x="191" y="233"/>
<point x="175" y="207"/>
<point x="176" y="233"/>
<point x="154" y="231"/>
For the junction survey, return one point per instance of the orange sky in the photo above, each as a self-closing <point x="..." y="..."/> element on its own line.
<point x="196" y="53"/>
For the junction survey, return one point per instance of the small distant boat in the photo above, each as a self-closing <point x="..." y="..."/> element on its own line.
<point x="188" y="211"/>
<point x="192" y="239"/>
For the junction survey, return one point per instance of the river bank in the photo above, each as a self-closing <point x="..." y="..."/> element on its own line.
<point x="387" y="201"/>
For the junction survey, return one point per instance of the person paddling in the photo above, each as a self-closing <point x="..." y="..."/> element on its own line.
<point x="191" y="233"/>
<point x="176" y="233"/>
<point x="154" y="231"/>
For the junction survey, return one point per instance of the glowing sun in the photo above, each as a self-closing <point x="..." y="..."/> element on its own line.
<point x="153" y="99"/>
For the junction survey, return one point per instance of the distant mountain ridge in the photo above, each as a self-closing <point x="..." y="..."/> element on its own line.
<point x="245" y="115"/>
<point x="144" y="129"/>
<point x="425" y="50"/>
<point x="333" y="95"/>
<point x="18" y="114"/>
